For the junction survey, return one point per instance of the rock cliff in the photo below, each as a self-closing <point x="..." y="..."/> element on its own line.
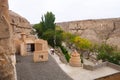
<point x="98" y="30"/>
<point x="6" y="43"/>
<point x="19" y="24"/>
<point x="11" y="26"/>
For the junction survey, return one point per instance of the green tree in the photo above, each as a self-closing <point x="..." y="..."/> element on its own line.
<point x="49" y="36"/>
<point x="58" y="37"/>
<point x="68" y="38"/>
<point x="48" y="21"/>
<point x="39" y="30"/>
<point x="46" y="28"/>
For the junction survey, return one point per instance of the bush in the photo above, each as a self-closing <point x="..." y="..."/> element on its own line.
<point x="114" y="58"/>
<point x="82" y="43"/>
<point x="49" y="36"/>
<point x="65" y="52"/>
<point x="58" y="37"/>
<point x="108" y="53"/>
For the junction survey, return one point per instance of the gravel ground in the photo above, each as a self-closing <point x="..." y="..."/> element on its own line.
<point x="28" y="70"/>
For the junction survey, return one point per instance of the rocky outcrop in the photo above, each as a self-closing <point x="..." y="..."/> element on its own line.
<point x="6" y="67"/>
<point x="99" y="30"/>
<point x="6" y="43"/>
<point x="19" y="25"/>
<point x="11" y="27"/>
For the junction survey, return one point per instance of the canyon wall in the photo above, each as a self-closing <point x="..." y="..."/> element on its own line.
<point x="97" y="30"/>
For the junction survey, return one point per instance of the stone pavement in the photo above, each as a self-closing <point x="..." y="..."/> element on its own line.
<point x="28" y="70"/>
<point x="78" y="73"/>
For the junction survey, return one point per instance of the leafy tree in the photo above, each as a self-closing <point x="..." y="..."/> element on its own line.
<point x="39" y="30"/>
<point x="46" y="28"/>
<point x="58" y="28"/>
<point x="82" y="43"/>
<point x="68" y="38"/>
<point x="48" y="21"/>
<point x="58" y="37"/>
<point x="49" y="36"/>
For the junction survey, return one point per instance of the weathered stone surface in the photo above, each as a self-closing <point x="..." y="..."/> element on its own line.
<point x="99" y="30"/>
<point x="19" y="25"/>
<point x="6" y="45"/>
<point x="115" y="76"/>
<point x="11" y="27"/>
<point x="91" y="35"/>
<point x="114" y="41"/>
<point x="6" y="67"/>
<point x="41" y="51"/>
<point x="3" y="19"/>
<point x="75" y="60"/>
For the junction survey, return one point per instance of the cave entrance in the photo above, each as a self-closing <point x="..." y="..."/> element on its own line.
<point x="30" y="47"/>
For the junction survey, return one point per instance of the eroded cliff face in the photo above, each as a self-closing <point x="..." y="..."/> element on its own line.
<point x="19" y="25"/>
<point x="100" y="30"/>
<point x="6" y="66"/>
<point x="11" y="27"/>
<point x="6" y="45"/>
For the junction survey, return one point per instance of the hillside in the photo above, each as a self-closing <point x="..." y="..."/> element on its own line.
<point x="97" y="30"/>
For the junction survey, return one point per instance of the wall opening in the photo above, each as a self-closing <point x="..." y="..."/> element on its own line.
<point x="30" y="47"/>
<point x="41" y="56"/>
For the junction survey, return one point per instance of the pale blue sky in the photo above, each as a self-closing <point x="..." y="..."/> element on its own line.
<point x="66" y="10"/>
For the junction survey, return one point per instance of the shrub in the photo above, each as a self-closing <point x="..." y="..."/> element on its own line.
<point x="82" y="43"/>
<point x="49" y="36"/>
<point x="108" y="53"/>
<point x="65" y="52"/>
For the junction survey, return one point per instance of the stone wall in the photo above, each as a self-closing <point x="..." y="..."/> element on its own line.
<point x="115" y="76"/>
<point x="114" y="66"/>
<point x="100" y="65"/>
<point x="98" y="30"/>
<point x="94" y="67"/>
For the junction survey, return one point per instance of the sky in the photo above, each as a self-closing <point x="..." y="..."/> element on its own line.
<point x="66" y="10"/>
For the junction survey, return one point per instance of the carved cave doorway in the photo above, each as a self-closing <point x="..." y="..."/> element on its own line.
<point x="30" y="47"/>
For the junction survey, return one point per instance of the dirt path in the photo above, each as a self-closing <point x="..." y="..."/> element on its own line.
<point x="27" y="70"/>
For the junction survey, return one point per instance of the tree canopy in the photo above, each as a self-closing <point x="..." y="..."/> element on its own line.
<point x="48" y="21"/>
<point x="48" y="30"/>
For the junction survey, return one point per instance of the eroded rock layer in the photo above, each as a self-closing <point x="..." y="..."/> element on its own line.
<point x="11" y="27"/>
<point x="99" y="30"/>
<point x="19" y="25"/>
<point x="6" y="45"/>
